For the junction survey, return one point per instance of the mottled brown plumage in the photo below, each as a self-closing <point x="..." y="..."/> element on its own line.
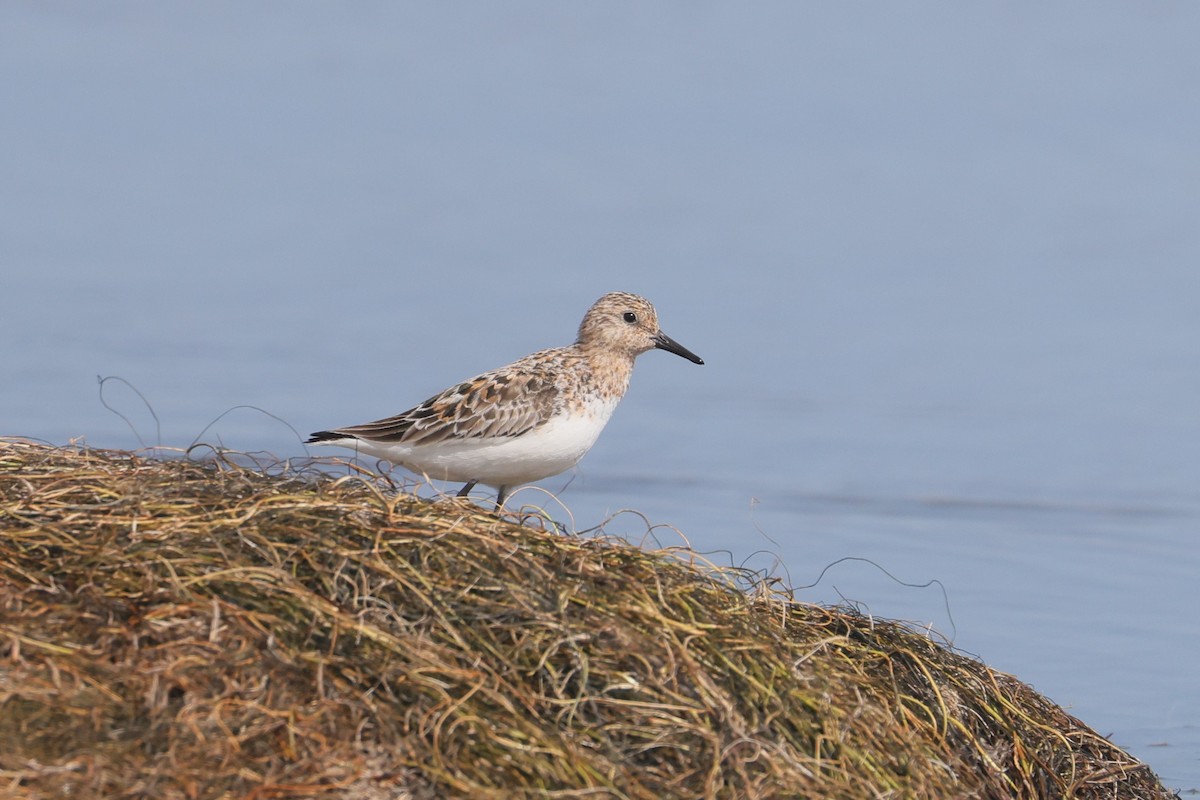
<point x="528" y="420"/>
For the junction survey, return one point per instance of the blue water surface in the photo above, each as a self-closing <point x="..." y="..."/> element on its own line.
<point x="942" y="260"/>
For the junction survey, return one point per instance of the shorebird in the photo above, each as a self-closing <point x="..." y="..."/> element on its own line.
<point x="526" y="421"/>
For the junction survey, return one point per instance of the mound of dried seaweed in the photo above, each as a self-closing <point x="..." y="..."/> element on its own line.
<point x="175" y="629"/>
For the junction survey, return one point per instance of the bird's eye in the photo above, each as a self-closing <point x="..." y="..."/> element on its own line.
<point x="630" y="317"/>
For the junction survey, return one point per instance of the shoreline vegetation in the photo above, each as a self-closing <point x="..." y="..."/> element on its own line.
<point x="197" y="629"/>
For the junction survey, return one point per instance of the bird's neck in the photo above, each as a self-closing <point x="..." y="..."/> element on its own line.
<point x="610" y="370"/>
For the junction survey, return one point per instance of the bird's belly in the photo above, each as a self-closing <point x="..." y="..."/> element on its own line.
<point x="548" y="450"/>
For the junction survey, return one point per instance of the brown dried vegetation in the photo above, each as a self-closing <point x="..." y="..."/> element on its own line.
<point x="176" y="629"/>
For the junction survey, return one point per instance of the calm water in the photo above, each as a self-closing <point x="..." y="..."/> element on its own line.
<point x="943" y="262"/>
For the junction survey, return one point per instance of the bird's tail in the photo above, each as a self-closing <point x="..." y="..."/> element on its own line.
<point x="327" y="436"/>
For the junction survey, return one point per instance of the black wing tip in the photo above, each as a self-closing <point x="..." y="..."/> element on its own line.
<point x="326" y="436"/>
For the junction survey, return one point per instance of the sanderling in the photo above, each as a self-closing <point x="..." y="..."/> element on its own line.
<point x="529" y="420"/>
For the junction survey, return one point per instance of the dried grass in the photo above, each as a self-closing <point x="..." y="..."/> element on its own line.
<point x="175" y="629"/>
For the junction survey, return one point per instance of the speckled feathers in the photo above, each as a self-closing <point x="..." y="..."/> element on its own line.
<point x="528" y="420"/>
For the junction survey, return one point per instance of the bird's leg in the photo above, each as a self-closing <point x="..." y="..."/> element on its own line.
<point x="501" y="496"/>
<point x="466" y="490"/>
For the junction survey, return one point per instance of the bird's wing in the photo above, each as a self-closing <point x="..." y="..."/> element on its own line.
<point x="502" y="403"/>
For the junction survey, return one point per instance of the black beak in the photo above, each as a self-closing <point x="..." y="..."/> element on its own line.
<point x="664" y="342"/>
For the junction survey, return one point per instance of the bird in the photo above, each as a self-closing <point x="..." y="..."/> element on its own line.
<point x="525" y="421"/>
